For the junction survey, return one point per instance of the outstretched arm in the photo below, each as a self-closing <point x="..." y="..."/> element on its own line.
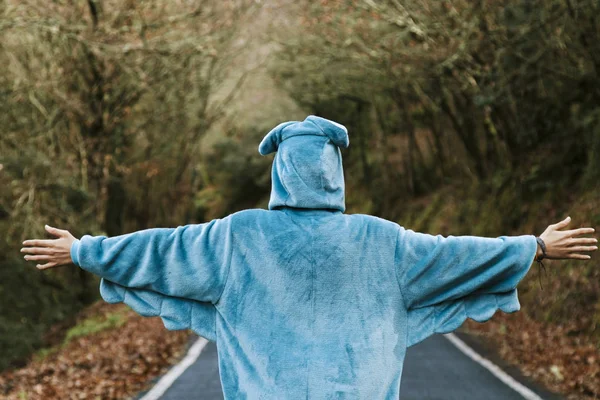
<point x="190" y="261"/>
<point x="445" y="280"/>
<point x="433" y="269"/>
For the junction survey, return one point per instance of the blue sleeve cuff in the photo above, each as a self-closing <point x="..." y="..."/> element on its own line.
<point x="530" y="248"/>
<point x="75" y="252"/>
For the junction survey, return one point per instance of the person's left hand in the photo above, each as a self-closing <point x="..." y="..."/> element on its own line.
<point x="55" y="252"/>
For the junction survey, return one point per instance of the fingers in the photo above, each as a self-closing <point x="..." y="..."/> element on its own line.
<point x="582" y="241"/>
<point x="46" y="266"/>
<point x="583" y="248"/>
<point x="37" y="250"/>
<point x="39" y="257"/>
<point x="39" y="242"/>
<point x="47" y="242"/>
<point x="579" y="256"/>
<point x="562" y="224"/>
<point x="55" y="231"/>
<point x="580" y="231"/>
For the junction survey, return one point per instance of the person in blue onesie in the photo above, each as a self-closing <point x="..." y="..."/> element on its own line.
<point x="303" y="300"/>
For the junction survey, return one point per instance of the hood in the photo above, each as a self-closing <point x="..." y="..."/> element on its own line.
<point x="307" y="169"/>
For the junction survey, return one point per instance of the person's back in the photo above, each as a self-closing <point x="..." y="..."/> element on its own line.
<point x="303" y="300"/>
<point x="315" y="309"/>
<point x="311" y="308"/>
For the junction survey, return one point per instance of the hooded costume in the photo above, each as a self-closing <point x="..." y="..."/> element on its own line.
<point x="303" y="300"/>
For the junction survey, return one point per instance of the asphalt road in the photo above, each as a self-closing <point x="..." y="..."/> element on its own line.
<point x="433" y="369"/>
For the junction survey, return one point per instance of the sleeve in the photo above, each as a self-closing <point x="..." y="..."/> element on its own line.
<point x="176" y="313"/>
<point x="445" y="280"/>
<point x="177" y="274"/>
<point x="190" y="261"/>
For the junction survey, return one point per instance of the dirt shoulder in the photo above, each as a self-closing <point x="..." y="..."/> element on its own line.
<point x="543" y="353"/>
<point x="110" y="353"/>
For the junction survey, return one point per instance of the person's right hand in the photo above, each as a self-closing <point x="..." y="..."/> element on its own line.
<point x="567" y="244"/>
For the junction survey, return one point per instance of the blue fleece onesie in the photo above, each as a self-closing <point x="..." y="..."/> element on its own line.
<point x="304" y="300"/>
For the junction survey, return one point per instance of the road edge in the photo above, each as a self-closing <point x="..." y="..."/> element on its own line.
<point x="155" y="389"/>
<point x="485" y="350"/>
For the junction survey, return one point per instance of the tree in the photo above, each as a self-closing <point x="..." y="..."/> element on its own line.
<point x="104" y="104"/>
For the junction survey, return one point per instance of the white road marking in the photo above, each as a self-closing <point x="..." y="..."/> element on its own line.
<point x="493" y="368"/>
<point x="167" y="380"/>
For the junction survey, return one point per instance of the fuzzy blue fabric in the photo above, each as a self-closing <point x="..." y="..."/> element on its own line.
<point x="303" y="300"/>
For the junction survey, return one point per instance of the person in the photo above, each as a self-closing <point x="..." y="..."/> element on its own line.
<point x="304" y="300"/>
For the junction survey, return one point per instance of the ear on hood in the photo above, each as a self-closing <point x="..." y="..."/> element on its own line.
<point x="312" y="125"/>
